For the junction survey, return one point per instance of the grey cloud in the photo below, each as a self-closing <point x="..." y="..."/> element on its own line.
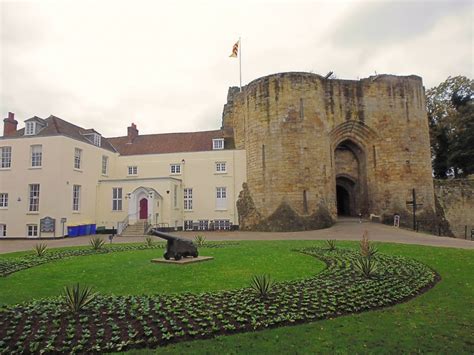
<point x="382" y="23"/>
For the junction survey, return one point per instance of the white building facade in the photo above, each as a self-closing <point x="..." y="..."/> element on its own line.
<point x="52" y="168"/>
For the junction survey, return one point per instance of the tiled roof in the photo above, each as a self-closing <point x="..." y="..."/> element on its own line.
<point x="57" y="126"/>
<point x="167" y="143"/>
<point x="142" y="144"/>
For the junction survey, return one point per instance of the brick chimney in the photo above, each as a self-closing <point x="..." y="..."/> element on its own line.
<point x="132" y="133"/>
<point x="9" y="125"/>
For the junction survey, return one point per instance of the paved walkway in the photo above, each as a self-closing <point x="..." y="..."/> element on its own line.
<point x="344" y="229"/>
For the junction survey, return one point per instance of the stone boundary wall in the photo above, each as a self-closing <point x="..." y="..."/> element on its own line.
<point x="456" y="199"/>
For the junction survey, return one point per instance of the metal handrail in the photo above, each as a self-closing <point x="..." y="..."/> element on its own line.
<point x="147" y="224"/>
<point x="121" y="226"/>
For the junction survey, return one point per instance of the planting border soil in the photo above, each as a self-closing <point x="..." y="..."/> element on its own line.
<point x="115" y="323"/>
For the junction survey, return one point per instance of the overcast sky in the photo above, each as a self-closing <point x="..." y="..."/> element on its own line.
<point x="165" y="64"/>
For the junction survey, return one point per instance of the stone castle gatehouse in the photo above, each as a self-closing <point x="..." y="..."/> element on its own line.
<point x="317" y="148"/>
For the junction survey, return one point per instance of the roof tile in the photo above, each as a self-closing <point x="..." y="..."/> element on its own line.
<point x="166" y="143"/>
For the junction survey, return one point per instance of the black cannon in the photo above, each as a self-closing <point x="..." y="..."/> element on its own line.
<point x="176" y="247"/>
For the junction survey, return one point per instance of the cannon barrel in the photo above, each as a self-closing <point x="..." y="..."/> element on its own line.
<point x="163" y="235"/>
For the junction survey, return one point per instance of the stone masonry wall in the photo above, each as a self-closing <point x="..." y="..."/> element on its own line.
<point x="291" y="123"/>
<point x="346" y="163"/>
<point x="456" y="199"/>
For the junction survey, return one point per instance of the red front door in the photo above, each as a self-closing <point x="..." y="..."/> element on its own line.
<point x="143" y="208"/>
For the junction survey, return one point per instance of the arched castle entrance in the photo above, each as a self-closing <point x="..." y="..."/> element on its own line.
<point x="350" y="144"/>
<point x="351" y="178"/>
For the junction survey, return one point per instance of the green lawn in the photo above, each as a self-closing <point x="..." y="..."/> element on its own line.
<point x="123" y="273"/>
<point x="438" y="321"/>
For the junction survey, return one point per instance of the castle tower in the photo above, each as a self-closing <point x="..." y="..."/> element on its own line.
<point x="318" y="148"/>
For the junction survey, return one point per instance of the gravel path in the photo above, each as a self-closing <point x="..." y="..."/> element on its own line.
<point x="344" y="229"/>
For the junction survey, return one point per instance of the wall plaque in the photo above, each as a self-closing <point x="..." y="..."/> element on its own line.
<point x="47" y="224"/>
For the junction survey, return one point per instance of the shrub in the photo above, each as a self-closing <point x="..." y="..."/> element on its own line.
<point x="331" y="245"/>
<point x="76" y="298"/>
<point x="365" y="265"/>
<point x="262" y="285"/>
<point x="200" y="240"/>
<point x="149" y="241"/>
<point x="96" y="243"/>
<point x="40" y="249"/>
<point x="367" y="249"/>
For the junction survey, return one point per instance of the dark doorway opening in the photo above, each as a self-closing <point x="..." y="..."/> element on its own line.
<point x="343" y="201"/>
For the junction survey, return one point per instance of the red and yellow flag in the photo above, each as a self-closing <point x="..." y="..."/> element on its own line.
<point x="235" y="49"/>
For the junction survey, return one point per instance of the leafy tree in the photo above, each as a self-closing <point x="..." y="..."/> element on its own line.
<point x="450" y="112"/>
<point x="462" y="145"/>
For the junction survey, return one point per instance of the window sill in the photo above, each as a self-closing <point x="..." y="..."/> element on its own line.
<point x="221" y="209"/>
<point x="78" y="170"/>
<point x="33" y="213"/>
<point x="35" y="167"/>
<point x="220" y="172"/>
<point x="4" y="208"/>
<point x="188" y="210"/>
<point x="5" y="169"/>
<point x="132" y="176"/>
<point x="76" y="212"/>
<point x="175" y="174"/>
<point x="115" y="211"/>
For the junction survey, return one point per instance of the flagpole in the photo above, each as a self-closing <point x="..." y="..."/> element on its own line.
<point x="240" y="63"/>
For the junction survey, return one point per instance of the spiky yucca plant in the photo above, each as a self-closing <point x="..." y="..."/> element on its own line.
<point x="200" y="240"/>
<point x="262" y="285"/>
<point x="96" y="243"/>
<point x="77" y="297"/>
<point x="367" y="249"/>
<point x="331" y="244"/>
<point x="365" y="265"/>
<point x="40" y="249"/>
<point x="149" y="241"/>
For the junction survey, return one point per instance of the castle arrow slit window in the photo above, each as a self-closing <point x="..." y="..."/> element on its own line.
<point x="301" y="109"/>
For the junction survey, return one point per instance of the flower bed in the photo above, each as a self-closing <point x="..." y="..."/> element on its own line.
<point x="114" y="323"/>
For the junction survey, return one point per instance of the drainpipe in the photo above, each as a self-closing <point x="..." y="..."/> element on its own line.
<point x="183" y="184"/>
